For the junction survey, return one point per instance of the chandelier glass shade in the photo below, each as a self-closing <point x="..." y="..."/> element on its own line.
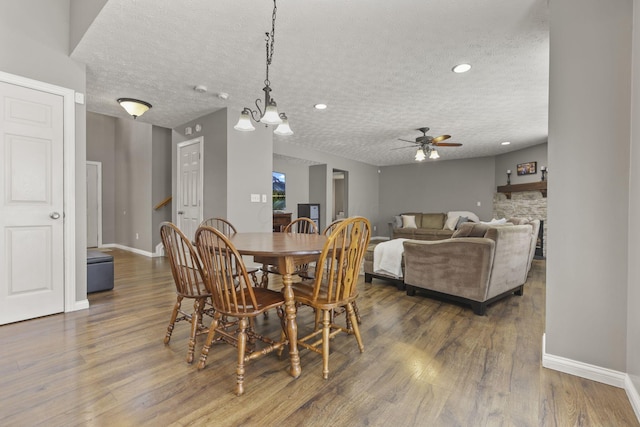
<point x="134" y="107"/>
<point x="270" y="115"/>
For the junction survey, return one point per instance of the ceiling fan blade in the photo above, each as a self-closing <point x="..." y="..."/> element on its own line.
<point x="440" y="138"/>
<point x="406" y="146"/>
<point x="406" y="140"/>
<point x="447" y="144"/>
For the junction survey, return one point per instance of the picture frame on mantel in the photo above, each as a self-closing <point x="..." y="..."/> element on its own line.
<point x="529" y="168"/>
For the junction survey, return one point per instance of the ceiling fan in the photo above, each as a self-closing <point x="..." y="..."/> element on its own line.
<point x="427" y="144"/>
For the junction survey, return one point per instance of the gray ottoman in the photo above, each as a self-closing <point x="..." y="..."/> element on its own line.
<point x="99" y="271"/>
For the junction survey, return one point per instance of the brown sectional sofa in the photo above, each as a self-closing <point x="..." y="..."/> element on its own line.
<point x="430" y="226"/>
<point x="489" y="264"/>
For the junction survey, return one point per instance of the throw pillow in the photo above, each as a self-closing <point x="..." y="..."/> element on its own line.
<point x="397" y="221"/>
<point x="452" y="218"/>
<point x="494" y="221"/>
<point x="409" y="221"/>
<point x="461" y="220"/>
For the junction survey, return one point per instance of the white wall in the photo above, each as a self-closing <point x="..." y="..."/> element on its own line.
<point x="589" y="113"/>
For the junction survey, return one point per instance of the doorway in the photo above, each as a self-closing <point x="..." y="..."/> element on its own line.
<point x="340" y="194"/>
<point x="189" y="189"/>
<point x="94" y="204"/>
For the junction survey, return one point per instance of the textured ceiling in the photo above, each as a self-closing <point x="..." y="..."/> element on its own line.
<point x="383" y="67"/>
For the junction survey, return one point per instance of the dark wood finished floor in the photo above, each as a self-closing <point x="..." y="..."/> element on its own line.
<point x="426" y="363"/>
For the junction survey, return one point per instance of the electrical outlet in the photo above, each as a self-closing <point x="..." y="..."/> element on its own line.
<point x="478" y="204"/>
<point x="137" y="236"/>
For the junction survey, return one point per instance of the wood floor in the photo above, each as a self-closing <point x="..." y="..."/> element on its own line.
<point x="426" y="363"/>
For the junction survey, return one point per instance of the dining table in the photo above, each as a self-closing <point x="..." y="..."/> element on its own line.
<point x="287" y="250"/>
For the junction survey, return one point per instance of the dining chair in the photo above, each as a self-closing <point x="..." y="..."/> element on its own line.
<point x="302" y="225"/>
<point x="233" y="297"/>
<point x="227" y="228"/>
<point x="188" y="278"/>
<point x="335" y="285"/>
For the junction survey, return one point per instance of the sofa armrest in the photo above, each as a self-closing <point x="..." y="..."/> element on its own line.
<point x="460" y="267"/>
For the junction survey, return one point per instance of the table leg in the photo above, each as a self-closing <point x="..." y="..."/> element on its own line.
<point x="287" y="266"/>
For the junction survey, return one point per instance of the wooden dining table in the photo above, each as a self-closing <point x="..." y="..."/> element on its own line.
<point x="288" y="250"/>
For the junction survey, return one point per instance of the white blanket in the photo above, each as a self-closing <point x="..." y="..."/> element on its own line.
<point x="387" y="258"/>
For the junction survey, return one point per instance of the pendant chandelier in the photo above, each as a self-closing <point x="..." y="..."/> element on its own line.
<point x="270" y="116"/>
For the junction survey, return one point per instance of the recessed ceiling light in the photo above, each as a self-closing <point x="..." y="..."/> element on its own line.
<point x="461" y="68"/>
<point x="505" y="143"/>
<point x="320" y="106"/>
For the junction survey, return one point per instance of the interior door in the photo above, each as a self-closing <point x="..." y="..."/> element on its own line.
<point x="31" y="203"/>
<point x="189" y="186"/>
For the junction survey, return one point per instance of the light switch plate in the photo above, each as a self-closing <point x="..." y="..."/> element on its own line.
<point x="255" y="198"/>
<point x="264" y="198"/>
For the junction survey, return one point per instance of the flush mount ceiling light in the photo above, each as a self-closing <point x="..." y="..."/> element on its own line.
<point x="135" y="107"/>
<point x="320" y="106"/>
<point x="270" y="116"/>
<point x="505" y="143"/>
<point x="461" y="68"/>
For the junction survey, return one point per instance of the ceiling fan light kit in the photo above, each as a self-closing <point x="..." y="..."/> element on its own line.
<point x="270" y="116"/>
<point x="427" y="145"/>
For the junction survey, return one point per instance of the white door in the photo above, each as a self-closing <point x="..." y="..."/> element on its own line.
<point x="189" y="186"/>
<point x="31" y="203"/>
<point x="94" y="204"/>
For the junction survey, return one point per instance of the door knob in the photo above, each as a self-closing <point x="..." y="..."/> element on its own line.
<point x="54" y="215"/>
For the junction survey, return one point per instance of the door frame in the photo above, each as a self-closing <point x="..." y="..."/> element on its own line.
<point x="98" y="166"/>
<point x="69" y="186"/>
<point x="200" y="141"/>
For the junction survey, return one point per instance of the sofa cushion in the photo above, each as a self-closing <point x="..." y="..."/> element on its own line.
<point x="461" y="220"/>
<point x="409" y="221"/>
<point x="433" y="221"/>
<point x="397" y="221"/>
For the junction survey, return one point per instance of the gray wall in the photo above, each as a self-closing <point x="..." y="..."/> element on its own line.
<point x="589" y="110"/>
<point x="237" y="164"/>
<point x="101" y="138"/>
<point x="509" y="161"/>
<point x="297" y="182"/>
<point x="133" y="184"/>
<point x="318" y="192"/>
<point x="363" y="180"/>
<point x="160" y="180"/>
<point x="214" y="154"/>
<point x="249" y="167"/>
<point x="440" y="186"/>
<point x="633" y="296"/>
<point x="83" y="12"/>
<point x="34" y="43"/>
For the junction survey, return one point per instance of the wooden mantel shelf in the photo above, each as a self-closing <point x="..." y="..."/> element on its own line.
<point x="540" y="186"/>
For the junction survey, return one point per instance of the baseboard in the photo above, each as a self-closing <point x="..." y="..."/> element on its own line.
<point x="594" y="373"/>
<point x="634" y="395"/>
<point x="134" y="250"/>
<point x="79" y="305"/>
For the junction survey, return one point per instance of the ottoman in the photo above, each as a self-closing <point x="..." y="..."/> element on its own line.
<point x="99" y="271"/>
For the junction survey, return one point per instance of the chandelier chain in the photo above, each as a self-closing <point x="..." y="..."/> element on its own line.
<point x="271" y="40"/>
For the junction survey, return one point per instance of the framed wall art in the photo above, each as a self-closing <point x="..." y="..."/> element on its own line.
<point x="529" y="168"/>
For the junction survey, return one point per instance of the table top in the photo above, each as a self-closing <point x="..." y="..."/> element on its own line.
<point x="278" y="244"/>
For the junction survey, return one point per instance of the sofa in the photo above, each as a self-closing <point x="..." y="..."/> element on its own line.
<point x="428" y="226"/>
<point x="478" y="265"/>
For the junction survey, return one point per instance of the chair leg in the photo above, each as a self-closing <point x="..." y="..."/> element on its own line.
<point x="326" y="329"/>
<point x="196" y="318"/>
<point x="172" y="322"/>
<point x="242" y="346"/>
<point x="354" y="323"/>
<point x="210" y="337"/>
<point x="355" y="308"/>
<point x="264" y="279"/>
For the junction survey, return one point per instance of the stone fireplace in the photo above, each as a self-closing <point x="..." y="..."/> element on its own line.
<point x="527" y="204"/>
